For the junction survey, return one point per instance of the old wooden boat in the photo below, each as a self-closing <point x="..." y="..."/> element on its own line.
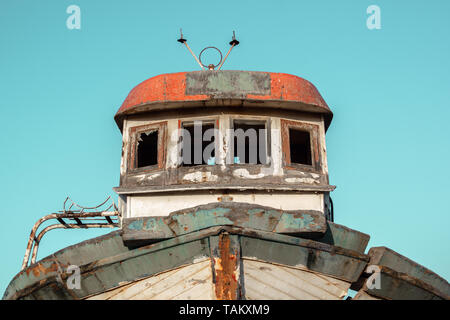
<point x="224" y="226"/>
<point x="240" y="258"/>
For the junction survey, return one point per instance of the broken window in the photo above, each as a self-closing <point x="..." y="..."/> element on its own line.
<point x="250" y="142"/>
<point x="147" y="149"/>
<point x="147" y="146"/>
<point x="198" y="144"/>
<point x="300" y="146"/>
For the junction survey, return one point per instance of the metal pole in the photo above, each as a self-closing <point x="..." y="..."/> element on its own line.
<point x="196" y="59"/>
<point x="229" y="50"/>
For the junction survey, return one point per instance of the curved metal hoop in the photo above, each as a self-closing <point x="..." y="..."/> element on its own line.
<point x="200" y="57"/>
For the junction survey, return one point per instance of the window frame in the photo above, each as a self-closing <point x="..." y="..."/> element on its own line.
<point x="249" y="121"/>
<point x="133" y="135"/>
<point x="313" y="130"/>
<point x="215" y="122"/>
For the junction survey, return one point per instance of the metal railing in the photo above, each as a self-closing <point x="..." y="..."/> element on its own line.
<point x="72" y="217"/>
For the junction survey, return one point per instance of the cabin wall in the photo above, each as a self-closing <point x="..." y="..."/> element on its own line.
<point x="162" y="205"/>
<point x="224" y="118"/>
<point x="143" y="193"/>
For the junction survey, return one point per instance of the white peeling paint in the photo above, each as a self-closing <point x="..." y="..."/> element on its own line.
<point x="277" y="152"/>
<point x="301" y="180"/>
<point x="173" y="148"/>
<point x="147" y="177"/>
<point x="200" y="176"/>
<point x="189" y="282"/>
<point x="243" y="173"/>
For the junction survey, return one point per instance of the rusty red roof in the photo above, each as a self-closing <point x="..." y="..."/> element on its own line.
<point x="223" y="88"/>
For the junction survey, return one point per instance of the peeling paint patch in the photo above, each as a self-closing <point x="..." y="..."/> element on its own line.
<point x="147" y="177"/>
<point x="243" y="173"/>
<point x="200" y="176"/>
<point x="301" y="180"/>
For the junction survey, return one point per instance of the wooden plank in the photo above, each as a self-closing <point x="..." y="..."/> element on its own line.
<point x="324" y="260"/>
<point x="400" y="286"/>
<point x="386" y="257"/>
<point x="341" y="236"/>
<point x="308" y="222"/>
<point x="126" y="266"/>
<point x="188" y="282"/>
<point x="264" y="280"/>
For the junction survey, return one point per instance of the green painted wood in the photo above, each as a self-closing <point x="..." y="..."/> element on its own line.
<point x="142" y="266"/>
<point x="310" y="258"/>
<point x="399" y="286"/>
<point x="341" y="236"/>
<point x="228" y="83"/>
<point x="130" y="265"/>
<point x="386" y="257"/>
<point x="244" y="215"/>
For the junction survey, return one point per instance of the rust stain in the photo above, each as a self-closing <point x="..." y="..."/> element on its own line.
<point x="225" y="198"/>
<point x="165" y="87"/>
<point x="226" y="267"/>
<point x="39" y="269"/>
<point x="292" y="88"/>
<point x="172" y="88"/>
<point x="259" y="213"/>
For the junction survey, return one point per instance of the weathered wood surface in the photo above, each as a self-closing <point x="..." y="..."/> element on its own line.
<point x="230" y="214"/>
<point x="261" y="280"/>
<point x="304" y="223"/>
<point x="267" y="281"/>
<point x="113" y="272"/>
<point x="386" y="257"/>
<point x="344" y="264"/>
<point x="294" y="187"/>
<point x="399" y="286"/>
<point x="222" y="262"/>
<point x="341" y="236"/>
<point x="191" y="282"/>
<point x="392" y="276"/>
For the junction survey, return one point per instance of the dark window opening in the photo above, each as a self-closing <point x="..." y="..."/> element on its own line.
<point x="250" y="145"/>
<point x="300" y="146"/>
<point x="147" y="149"/>
<point x="198" y="148"/>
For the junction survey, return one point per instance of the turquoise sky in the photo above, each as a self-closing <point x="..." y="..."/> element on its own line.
<point x="389" y="89"/>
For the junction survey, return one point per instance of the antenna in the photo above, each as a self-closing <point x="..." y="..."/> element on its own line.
<point x="233" y="43"/>
<point x="184" y="41"/>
